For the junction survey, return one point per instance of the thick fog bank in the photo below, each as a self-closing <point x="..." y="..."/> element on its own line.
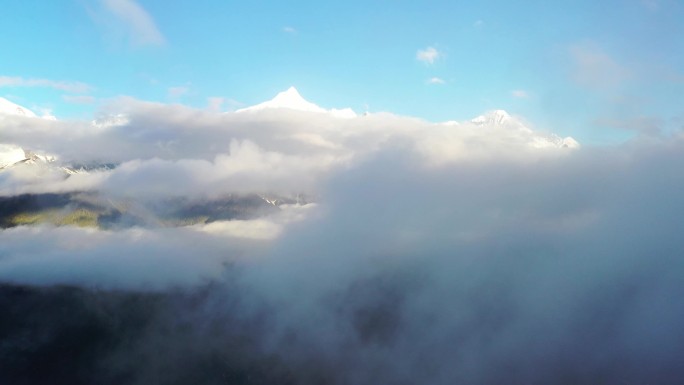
<point x="562" y="270"/>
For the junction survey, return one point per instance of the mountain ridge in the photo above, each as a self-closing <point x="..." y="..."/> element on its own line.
<point x="13" y="109"/>
<point x="291" y="99"/>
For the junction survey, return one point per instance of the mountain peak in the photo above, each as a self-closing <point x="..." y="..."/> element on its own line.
<point x="292" y="100"/>
<point x="496" y="117"/>
<point x="9" y="108"/>
<point x="291" y="91"/>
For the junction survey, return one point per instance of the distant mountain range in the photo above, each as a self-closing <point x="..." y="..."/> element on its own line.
<point x="290" y="99"/>
<point x="89" y="209"/>
<point x="503" y="119"/>
<point x="92" y="210"/>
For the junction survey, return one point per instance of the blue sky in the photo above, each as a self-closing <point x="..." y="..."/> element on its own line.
<point x="599" y="71"/>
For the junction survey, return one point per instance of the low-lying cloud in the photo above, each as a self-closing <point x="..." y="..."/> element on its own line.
<point x="436" y="253"/>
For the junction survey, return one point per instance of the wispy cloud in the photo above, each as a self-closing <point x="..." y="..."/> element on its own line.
<point x="68" y="86"/>
<point x="290" y="30"/>
<point x="79" y="99"/>
<point x="478" y="24"/>
<point x="177" y="92"/>
<point x="428" y="55"/>
<point x="233" y="104"/>
<point x="520" y="94"/>
<point x="215" y="103"/>
<point x="435" y="80"/>
<point x="140" y="25"/>
<point x="651" y="5"/>
<point x="594" y="68"/>
<point x="643" y="125"/>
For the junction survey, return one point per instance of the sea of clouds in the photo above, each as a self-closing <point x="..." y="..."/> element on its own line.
<point x="434" y="253"/>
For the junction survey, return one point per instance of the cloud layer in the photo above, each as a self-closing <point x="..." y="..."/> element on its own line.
<point x="472" y="252"/>
<point x="272" y="150"/>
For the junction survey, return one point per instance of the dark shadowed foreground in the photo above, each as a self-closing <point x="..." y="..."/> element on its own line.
<point x="390" y="326"/>
<point x="67" y="335"/>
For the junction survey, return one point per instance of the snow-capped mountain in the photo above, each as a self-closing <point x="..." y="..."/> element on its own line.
<point x="9" y="108"/>
<point x="555" y="141"/>
<point x="107" y="121"/>
<point x="292" y="100"/>
<point x="10" y="154"/>
<point x="13" y="155"/>
<point x="502" y="119"/>
<point x="496" y="117"/>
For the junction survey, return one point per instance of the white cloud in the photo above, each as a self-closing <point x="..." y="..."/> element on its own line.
<point x="520" y="94"/>
<point x="262" y="229"/>
<point x="269" y="150"/>
<point x="140" y="26"/>
<point x="290" y="30"/>
<point x="435" y="80"/>
<point x="68" y="86"/>
<point x="422" y="263"/>
<point x="478" y="24"/>
<point x="428" y="241"/>
<point x="428" y="55"/>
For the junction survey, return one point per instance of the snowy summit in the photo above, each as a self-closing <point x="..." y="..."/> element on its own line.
<point x="9" y="108"/>
<point x="292" y="100"/>
<point x="11" y="154"/>
<point x="496" y="117"/>
<point x="502" y="119"/>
